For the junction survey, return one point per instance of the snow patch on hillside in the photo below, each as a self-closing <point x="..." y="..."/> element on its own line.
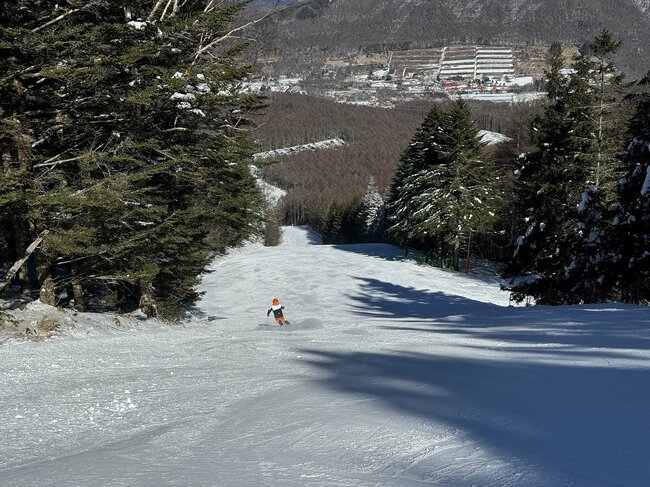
<point x="492" y="138"/>
<point x="323" y="144"/>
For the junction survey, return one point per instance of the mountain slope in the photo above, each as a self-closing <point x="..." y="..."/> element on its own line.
<point x="339" y="27"/>
<point x="390" y="374"/>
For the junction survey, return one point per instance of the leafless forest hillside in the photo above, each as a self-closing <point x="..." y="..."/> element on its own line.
<point x="375" y="137"/>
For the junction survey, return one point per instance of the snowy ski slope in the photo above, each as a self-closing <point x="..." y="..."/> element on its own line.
<point x="390" y="375"/>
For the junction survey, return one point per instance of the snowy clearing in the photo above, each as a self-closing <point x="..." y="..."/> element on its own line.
<point x="390" y="374"/>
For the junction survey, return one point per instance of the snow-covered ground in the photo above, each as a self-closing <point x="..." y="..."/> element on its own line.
<point x="320" y="145"/>
<point x="492" y="138"/>
<point x="504" y="97"/>
<point x="390" y="374"/>
<point x="271" y="193"/>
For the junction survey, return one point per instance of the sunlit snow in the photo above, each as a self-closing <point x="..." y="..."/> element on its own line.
<point x="390" y="374"/>
<point x="492" y="138"/>
<point x="323" y="144"/>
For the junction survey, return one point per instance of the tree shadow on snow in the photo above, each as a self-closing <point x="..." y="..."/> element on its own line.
<point x="380" y="251"/>
<point x="605" y="326"/>
<point x="527" y="386"/>
<point x="582" y="422"/>
<point x="313" y="237"/>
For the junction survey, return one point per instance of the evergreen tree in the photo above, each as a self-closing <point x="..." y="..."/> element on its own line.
<point x="370" y="210"/>
<point x="630" y="257"/>
<point x="557" y="187"/>
<point x="445" y="188"/>
<point x="462" y="191"/>
<point x="123" y="131"/>
<point x="351" y="232"/>
<point x="341" y="224"/>
<point x="607" y="80"/>
<point x="422" y="154"/>
<point x="554" y="81"/>
<point x="585" y="275"/>
<point x="333" y="226"/>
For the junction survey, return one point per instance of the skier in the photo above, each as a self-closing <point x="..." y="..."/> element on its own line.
<point x="277" y="308"/>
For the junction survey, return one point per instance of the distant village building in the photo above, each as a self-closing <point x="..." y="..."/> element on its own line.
<point x="470" y="71"/>
<point x="457" y="69"/>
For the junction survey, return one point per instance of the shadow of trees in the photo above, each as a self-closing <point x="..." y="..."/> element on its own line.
<point x="563" y="389"/>
<point x="312" y="236"/>
<point x="585" y="421"/>
<point x="381" y="251"/>
<point x="605" y="326"/>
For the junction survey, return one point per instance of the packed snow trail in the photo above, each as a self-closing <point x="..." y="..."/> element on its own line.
<point x="390" y="374"/>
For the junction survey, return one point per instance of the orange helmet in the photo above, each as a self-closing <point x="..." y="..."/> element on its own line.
<point x="276" y="301"/>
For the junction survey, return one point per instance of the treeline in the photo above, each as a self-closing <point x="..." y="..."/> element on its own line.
<point x="121" y="145"/>
<point x="572" y="213"/>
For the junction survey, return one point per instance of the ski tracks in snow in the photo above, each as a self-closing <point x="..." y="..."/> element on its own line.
<point x="389" y="375"/>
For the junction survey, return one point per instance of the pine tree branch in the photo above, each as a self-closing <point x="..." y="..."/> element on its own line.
<point x="155" y="9"/>
<point x="164" y="13"/>
<point x="210" y="6"/>
<point x="233" y="127"/>
<point x="46" y="135"/>
<point x="57" y="19"/>
<point x="164" y="154"/>
<point x="229" y="35"/>
<point x="23" y="71"/>
<point x="175" y="7"/>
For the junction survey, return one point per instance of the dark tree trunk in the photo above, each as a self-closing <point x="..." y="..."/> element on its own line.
<point x="148" y="300"/>
<point x="77" y="289"/>
<point x="25" y="281"/>
<point x="20" y="243"/>
<point x="456" y="257"/>
<point x="47" y="291"/>
<point x="24" y="150"/>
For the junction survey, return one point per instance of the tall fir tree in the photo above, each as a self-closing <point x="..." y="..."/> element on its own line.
<point x="333" y="226"/>
<point x="558" y="185"/>
<point x="586" y="274"/>
<point x="460" y="193"/>
<point x="630" y="256"/>
<point x="422" y="154"/>
<point x="446" y="187"/>
<point x="124" y="133"/>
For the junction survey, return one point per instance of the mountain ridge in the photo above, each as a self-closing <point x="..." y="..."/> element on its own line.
<point x="330" y="28"/>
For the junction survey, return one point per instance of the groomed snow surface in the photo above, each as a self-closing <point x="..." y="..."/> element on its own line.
<point x="390" y="374"/>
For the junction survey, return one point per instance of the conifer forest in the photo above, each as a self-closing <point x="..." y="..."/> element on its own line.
<point x="316" y="243"/>
<point x="122" y="137"/>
